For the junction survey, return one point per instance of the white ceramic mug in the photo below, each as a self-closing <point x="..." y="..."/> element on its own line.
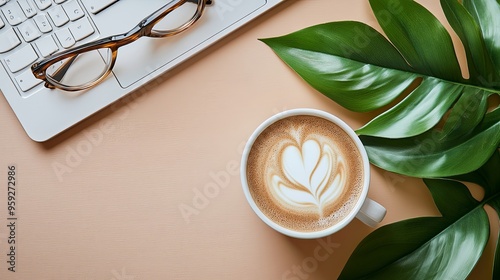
<point x="365" y="209"/>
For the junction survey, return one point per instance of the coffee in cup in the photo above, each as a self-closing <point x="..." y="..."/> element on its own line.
<point x="304" y="172"/>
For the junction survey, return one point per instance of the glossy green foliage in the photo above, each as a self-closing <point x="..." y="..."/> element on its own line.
<point x="442" y="126"/>
<point x="446" y="247"/>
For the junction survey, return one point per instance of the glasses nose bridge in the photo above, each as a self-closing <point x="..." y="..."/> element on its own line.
<point x="146" y="27"/>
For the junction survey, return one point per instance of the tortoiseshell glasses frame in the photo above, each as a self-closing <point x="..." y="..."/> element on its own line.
<point x="62" y="61"/>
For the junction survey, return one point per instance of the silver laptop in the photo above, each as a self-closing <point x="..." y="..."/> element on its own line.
<point x="33" y="29"/>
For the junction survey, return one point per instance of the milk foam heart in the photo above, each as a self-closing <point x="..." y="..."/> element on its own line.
<point x="314" y="176"/>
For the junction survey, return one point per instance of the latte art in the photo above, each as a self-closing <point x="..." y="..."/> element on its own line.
<point x="312" y="177"/>
<point x="305" y="173"/>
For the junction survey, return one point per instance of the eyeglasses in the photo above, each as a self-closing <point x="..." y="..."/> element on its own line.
<point x="89" y="64"/>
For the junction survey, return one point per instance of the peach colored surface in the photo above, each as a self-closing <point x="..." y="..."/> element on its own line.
<point x="116" y="211"/>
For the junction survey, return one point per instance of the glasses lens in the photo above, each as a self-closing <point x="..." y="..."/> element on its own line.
<point x="180" y="19"/>
<point x="80" y="71"/>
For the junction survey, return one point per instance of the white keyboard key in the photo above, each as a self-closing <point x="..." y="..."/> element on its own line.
<point x="2" y="24"/>
<point x="46" y="45"/>
<point x="81" y="29"/>
<point x="43" y="4"/>
<point x="73" y="10"/>
<point x="65" y="38"/>
<point x="95" y="6"/>
<point x="13" y="13"/>
<point x="8" y="40"/>
<point x="2" y="2"/>
<point x="21" y="58"/>
<point x="27" y="80"/>
<point x="27" y="8"/>
<point x="43" y="23"/>
<point x="58" y="16"/>
<point x="29" y="31"/>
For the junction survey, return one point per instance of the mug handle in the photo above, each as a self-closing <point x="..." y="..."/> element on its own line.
<point x="371" y="213"/>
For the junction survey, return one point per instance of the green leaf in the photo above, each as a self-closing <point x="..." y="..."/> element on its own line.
<point x="364" y="44"/>
<point x="411" y="28"/>
<point x="485" y="13"/>
<point x="433" y="247"/>
<point x="487" y="176"/>
<point x="452" y="198"/>
<point x="473" y="105"/>
<point x="388" y="244"/>
<point x="421" y="110"/>
<point x="433" y="154"/>
<point x="316" y="54"/>
<point x="445" y="247"/>
<point x="496" y="264"/>
<point x="479" y="62"/>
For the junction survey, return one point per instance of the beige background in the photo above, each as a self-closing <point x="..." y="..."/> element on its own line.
<point x="115" y="211"/>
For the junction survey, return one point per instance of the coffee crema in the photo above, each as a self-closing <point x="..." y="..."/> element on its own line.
<point x="305" y="173"/>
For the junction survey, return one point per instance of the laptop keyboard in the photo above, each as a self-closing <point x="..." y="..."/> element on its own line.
<point x="33" y="29"/>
